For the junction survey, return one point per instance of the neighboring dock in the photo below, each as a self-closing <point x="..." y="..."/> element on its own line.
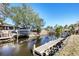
<point x="6" y="36"/>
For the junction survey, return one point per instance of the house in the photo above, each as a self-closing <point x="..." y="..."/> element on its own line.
<point x="5" y="27"/>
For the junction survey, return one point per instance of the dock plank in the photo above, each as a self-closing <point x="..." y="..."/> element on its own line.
<point x="5" y="37"/>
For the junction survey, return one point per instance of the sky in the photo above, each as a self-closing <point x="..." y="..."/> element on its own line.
<point x="56" y="13"/>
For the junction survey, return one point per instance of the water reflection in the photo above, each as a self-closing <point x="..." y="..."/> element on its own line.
<point x="47" y="38"/>
<point x="8" y="49"/>
<point x="31" y="44"/>
<point x="24" y="49"/>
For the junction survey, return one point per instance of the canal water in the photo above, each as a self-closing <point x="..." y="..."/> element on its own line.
<point x="21" y="48"/>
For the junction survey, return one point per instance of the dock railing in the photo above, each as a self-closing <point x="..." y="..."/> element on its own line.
<point x="5" y="34"/>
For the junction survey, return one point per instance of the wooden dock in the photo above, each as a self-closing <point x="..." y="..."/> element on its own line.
<point x="5" y="34"/>
<point x="5" y="37"/>
<point x="41" y="49"/>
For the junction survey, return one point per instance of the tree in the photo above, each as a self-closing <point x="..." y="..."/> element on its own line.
<point x="58" y="30"/>
<point x="72" y="28"/>
<point x="1" y="21"/>
<point x="4" y="10"/>
<point x="49" y="28"/>
<point x="66" y="27"/>
<point x="24" y="15"/>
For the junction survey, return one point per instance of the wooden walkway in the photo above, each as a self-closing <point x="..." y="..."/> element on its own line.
<point x="5" y="37"/>
<point x="5" y="34"/>
<point x="43" y="48"/>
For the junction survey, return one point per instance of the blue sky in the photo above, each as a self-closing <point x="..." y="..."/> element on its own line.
<point x="56" y="13"/>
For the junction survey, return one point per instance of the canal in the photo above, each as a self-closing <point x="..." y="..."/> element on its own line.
<point x="22" y="48"/>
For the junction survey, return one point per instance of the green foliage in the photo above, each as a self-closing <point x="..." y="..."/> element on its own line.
<point x="72" y="28"/>
<point x="66" y="26"/>
<point x="58" y="30"/>
<point x="38" y="29"/>
<point x="1" y="21"/>
<point x="24" y="15"/>
<point x="5" y="10"/>
<point x="48" y="28"/>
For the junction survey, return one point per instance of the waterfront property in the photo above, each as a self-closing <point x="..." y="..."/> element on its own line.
<point x="5" y="31"/>
<point x="8" y="31"/>
<point x="37" y="30"/>
<point x="5" y="34"/>
<point x="6" y="27"/>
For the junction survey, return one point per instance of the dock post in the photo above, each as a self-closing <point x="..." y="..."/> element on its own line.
<point x="34" y="46"/>
<point x="17" y="37"/>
